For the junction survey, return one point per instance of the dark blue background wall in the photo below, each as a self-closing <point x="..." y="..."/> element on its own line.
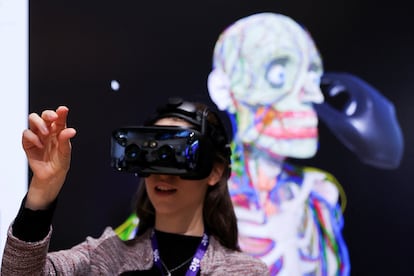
<point x="161" y="48"/>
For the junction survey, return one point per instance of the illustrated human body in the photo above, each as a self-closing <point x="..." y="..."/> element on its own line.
<point x="266" y="75"/>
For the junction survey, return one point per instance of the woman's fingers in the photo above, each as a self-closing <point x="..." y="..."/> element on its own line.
<point x="64" y="133"/>
<point x="42" y="124"/>
<point x="49" y="121"/>
<point x="50" y="124"/>
<point x="37" y="124"/>
<point x="62" y="114"/>
<point x="64" y="140"/>
<point x="30" y="138"/>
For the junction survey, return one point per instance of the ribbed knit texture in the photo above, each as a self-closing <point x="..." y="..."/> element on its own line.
<point x="108" y="255"/>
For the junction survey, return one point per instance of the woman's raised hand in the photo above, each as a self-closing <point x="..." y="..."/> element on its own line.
<point x="48" y="149"/>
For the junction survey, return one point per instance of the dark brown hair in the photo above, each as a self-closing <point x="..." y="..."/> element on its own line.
<point x="218" y="212"/>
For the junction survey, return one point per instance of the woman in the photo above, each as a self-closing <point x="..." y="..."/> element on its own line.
<point x="187" y="226"/>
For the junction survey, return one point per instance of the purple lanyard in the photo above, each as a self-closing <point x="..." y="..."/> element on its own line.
<point x="195" y="263"/>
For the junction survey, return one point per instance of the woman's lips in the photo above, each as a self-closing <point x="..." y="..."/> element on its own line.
<point x="164" y="190"/>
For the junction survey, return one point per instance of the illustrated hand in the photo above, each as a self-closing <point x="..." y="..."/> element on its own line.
<point x="48" y="150"/>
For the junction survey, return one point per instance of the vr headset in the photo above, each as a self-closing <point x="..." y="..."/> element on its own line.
<point x="187" y="152"/>
<point x="162" y="150"/>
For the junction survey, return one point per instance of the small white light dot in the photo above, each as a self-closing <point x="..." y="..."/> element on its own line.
<point x="115" y="85"/>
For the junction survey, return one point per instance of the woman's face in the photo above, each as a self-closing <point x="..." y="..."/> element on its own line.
<point x="172" y="195"/>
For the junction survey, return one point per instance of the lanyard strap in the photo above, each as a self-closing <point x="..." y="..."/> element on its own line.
<point x="195" y="263"/>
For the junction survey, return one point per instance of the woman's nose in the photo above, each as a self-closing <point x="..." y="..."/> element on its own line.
<point x="165" y="177"/>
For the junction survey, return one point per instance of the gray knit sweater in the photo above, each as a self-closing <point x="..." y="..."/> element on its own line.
<point x="108" y="255"/>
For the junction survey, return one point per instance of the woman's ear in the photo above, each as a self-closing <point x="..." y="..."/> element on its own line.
<point x="216" y="174"/>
